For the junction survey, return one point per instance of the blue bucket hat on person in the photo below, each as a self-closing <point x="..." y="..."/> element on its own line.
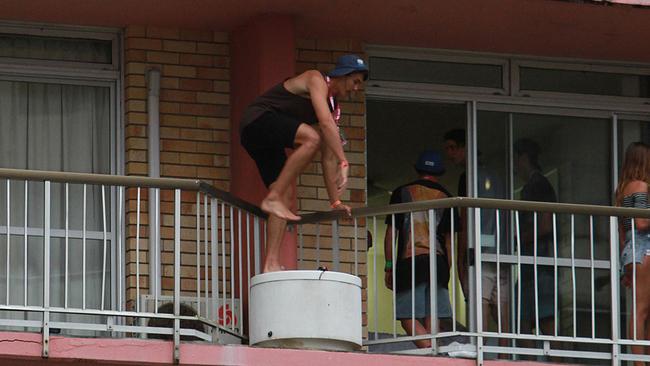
<point x="430" y="162"/>
<point x="348" y="64"/>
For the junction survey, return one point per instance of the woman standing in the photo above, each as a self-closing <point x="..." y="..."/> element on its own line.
<point x="632" y="191"/>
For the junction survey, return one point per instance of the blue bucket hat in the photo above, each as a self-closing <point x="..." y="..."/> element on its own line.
<point x="348" y="64"/>
<point x="430" y="162"/>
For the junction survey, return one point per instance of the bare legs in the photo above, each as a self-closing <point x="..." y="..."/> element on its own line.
<point x="642" y="307"/>
<point x="420" y="329"/>
<point x="278" y="202"/>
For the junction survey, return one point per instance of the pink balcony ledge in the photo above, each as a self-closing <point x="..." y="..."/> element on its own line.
<point x="19" y="348"/>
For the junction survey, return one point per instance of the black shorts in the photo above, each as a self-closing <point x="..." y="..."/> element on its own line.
<point x="265" y="140"/>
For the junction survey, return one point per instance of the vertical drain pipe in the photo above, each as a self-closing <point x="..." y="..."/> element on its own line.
<point x="153" y="109"/>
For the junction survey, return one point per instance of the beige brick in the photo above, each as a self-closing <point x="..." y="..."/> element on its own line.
<point x="136" y="106"/>
<point x="135" y="55"/>
<point x="196" y="35"/>
<point x="169" y="107"/>
<point x="311" y="180"/>
<point x="136" y="143"/>
<point x="212" y="148"/>
<point x="143" y="44"/>
<point x="136" y="117"/>
<point x="195" y="84"/>
<point x="179" y="46"/>
<point x="197" y="159"/>
<point x="135" y="80"/>
<point x="167" y="157"/>
<point x="162" y="57"/>
<point x="222" y="136"/>
<point x="135" y="131"/>
<point x="136" y="168"/>
<point x="212" y="73"/>
<point x="213" y="123"/>
<point x="136" y="93"/>
<point x="221" y="86"/>
<point x="135" y="68"/>
<point x="358" y="121"/>
<point x="196" y="60"/>
<point x="178" y="120"/>
<point x="221" y="61"/>
<point x="212" y="98"/>
<point x="169" y="133"/>
<point x="136" y="155"/>
<point x="163" y="33"/>
<point x="195" y="135"/>
<point x="169" y="83"/>
<point x="180" y="71"/>
<point x="212" y="48"/>
<point x="170" y="95"/>
<point x="220" y="161"/>
<point x="353" y="108"/>
<point x="184" y="171"/>
<point x="198" y="109"/>
<point x="213" y="173"/>
<point x="179" y="146"/>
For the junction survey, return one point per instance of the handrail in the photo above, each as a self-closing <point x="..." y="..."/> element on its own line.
<point x="487" y="203"/>
<point x="198" y="185"/>
<point x="131" y="181"/>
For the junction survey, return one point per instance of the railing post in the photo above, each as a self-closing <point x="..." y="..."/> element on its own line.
<point x="46" y="271"/>
<point x="336" y="255"/>
<point x="614" y="282"/>
<point x="478" y="290"/>
<point x="177" y="273"/>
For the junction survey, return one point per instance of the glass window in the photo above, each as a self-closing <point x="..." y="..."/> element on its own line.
<point x="436" y="72"/>
<point x="584" y="82"/>
<point x="56" y="49"/>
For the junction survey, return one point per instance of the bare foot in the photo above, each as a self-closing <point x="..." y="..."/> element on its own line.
<point x="273" y="268"/>
<point x="274" y="206"/>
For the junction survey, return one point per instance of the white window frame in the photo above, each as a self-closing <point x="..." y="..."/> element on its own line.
<point x="615" y="68"/>
<point x="419" y="54"/>
<point x="86" y="74"/>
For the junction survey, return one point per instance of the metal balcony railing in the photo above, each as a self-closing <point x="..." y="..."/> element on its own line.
<point x="79" y="260"/>
<point x="552" y="271"/>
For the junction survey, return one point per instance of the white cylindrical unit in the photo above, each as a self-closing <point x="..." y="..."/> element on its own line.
<point x="306" y="309"/>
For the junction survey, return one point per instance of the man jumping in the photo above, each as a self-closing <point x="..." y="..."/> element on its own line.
<point x="282" y="118"/>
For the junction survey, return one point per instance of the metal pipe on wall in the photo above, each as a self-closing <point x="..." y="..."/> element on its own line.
<point x="153" y="123"/>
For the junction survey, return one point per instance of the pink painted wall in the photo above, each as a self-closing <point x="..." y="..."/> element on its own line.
<point x="21" y="349"/>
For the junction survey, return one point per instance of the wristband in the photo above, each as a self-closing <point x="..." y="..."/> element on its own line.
<point x="335" y="203"/>
<point x="389" y="266"/>
<point x="344" y="164"/>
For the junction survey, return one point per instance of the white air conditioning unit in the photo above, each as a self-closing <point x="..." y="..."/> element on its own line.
<point x="227" y="314"/>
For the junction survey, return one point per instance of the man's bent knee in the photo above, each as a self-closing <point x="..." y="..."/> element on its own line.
<point x="308" y="137"/>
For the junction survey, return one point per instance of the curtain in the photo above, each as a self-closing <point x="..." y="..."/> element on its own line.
<point x="53" y="127"/>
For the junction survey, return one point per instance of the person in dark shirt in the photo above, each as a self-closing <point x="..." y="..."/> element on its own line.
<point x="489" y="185"/>
<point x="536" y="188"/>
<point x="412" y="235"/>
<point x="280" y="119"/>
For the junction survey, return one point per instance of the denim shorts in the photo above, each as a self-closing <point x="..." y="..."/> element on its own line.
<point x="422" y="302"/>
<point x="641" y="248"/>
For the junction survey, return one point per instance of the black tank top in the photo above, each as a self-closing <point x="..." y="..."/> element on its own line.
<point x="278" y="99"/>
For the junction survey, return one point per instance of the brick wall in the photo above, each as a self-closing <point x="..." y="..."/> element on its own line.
<point x="312" y="195"/>
<point x="194" y="133"/>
